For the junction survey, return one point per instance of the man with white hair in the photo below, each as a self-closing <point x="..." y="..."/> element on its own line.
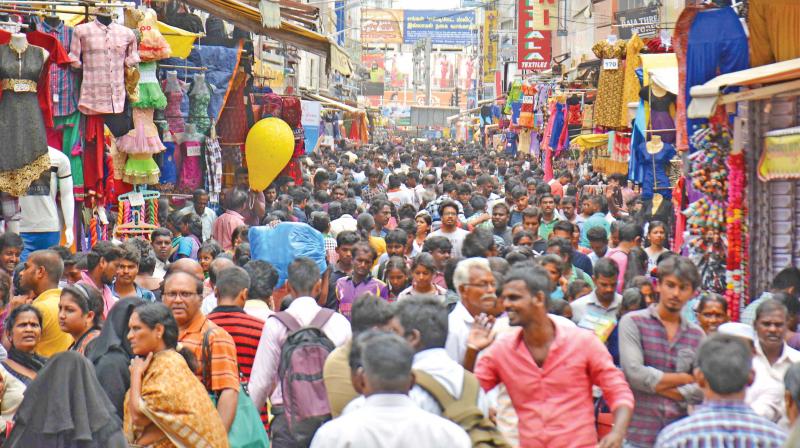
<point x="476" y="288"/>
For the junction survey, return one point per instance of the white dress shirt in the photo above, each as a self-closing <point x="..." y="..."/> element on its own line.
<point x="459" y="323"/>
<point x="589" y="313"/>
<point x="766" y="394"/>
<point x="208" y="218"/>
<point x="438" y="364"/>
<point x="390" y="421"/>
<point x="264" y="381"/>
<point x="342" y="223"/>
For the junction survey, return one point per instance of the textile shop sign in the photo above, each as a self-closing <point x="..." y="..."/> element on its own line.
<point x="780" y="159"/>
<point x="489" y="45"/>
<point x="443" y="27"/>
<point x="534" y="38"/>
<point x="382" y="26"/>
<point x="641" y="21"/>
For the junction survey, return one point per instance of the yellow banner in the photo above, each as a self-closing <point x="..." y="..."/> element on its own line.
<point x="489" y="62"/>
<point x="780" y="159"/>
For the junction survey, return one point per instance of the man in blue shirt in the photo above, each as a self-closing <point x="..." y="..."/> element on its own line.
<point x="597" y="219"/>
<point x="724" y="370"/>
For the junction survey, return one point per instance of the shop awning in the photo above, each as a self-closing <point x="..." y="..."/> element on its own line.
<point x="339" y="61"/>
<point x="249" y="18"/>
<point x="330" y="102"/>
<point x="706" y="97"/>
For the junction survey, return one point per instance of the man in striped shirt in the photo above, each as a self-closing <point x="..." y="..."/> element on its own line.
<point x="231" y="292"/>
<point x="724" y="371"/>
<point x="657" y="350"/>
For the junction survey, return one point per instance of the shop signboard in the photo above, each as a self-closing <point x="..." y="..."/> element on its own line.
<point x="443" y="27"/>
<point x="641" y="21"/>
<point x="489" y="45"/>
<point x="534" y="35"/>
<point x="310" y="119"/>
<point x="383" y="26"/>
<point x="780" y="159"/>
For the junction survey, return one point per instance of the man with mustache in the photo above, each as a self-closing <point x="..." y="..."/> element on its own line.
<point x="183" y="294"/>
<point x="476" y="286"/>
<point x="657" y="350"/>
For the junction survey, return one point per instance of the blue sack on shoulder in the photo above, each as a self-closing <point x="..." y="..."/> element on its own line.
<point x="280" y="245"/>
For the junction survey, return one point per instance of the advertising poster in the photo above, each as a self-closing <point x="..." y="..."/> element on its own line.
<point x="383" y="26"/>
<point x="443" y="27"/>
<point x="489" y="45"/>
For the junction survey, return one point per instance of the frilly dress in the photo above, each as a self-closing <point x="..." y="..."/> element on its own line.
<point x="144" y="141"/>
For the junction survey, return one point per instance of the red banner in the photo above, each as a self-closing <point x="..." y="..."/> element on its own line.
<point x="534" y="43"/>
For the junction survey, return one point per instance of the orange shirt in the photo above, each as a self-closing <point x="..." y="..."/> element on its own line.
<point x="224" y="370"/>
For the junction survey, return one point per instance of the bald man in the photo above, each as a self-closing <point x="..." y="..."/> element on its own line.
<point x="210" y="301"/>
<point x="186" y="265"/>
<point x="41" y="275"/>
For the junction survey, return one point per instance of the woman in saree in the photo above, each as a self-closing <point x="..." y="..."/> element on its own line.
<point x="166" y="405"/>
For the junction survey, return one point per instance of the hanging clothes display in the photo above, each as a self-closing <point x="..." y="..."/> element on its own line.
<point x="662" y="111"/>
<point x="609" y="91"/>
<point x="574" y="115"/>
<point x="23" y="154"/>
<point x="175" y="91"/>
<point x="631" y="83"/>
<point x="102" y="52"/>
<point x="143" y="140"/>
<point x="232" y="126"/>
<point x="774" y="27"/>
<point x="681" y="41"/>
<point x="199" y="99"/>
<point x="656" y="158"/>
<point x="189" y="166"/>
<point x="711" y="53"/>
<point x="169" y="172"/>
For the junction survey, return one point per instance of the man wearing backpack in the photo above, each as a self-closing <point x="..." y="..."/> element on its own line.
<point x="443" y="387"/>
<point x="381" y="366"/>
<point x="287" y="344"/>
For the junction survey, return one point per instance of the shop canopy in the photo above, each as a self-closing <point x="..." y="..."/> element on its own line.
<point x="249" y="18"/>
<point x="764" y="82"/>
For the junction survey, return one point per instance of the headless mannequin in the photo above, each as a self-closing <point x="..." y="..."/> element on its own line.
<point x="19" y="43"/>
<point x="35" y="204"/>
<point x="655" y="145"/>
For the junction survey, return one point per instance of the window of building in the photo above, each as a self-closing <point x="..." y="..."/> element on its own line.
<point x="625" y="5"/>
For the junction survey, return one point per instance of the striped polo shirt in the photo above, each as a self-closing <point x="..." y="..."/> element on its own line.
<point x="245" y="331"/>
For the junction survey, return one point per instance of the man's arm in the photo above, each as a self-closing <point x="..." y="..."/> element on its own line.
<point x="616" y="391"/>
<point x="226" y="406"/>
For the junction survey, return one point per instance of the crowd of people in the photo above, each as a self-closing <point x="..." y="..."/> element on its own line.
<point x="466" y="301"/>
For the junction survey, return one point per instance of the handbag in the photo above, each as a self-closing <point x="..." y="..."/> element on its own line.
<point x="247" y="430"/>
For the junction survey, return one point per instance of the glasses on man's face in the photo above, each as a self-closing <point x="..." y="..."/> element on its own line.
<point x="183" y="294"/>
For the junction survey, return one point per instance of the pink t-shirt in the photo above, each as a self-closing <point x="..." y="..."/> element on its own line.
<point x="622" y="261"/>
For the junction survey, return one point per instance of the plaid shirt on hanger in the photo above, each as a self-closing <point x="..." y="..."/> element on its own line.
<point x="213" y="156"/>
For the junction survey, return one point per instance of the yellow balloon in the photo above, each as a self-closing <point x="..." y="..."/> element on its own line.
<point x="268" y="148"/>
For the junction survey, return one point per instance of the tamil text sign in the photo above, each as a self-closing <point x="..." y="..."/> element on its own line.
<point x="443" y="27"/>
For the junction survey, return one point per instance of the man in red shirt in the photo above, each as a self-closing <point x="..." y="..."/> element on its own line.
<point x="549" y="368"/>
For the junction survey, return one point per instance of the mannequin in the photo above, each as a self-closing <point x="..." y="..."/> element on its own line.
<point x="23" y="154"/>
<point x="39" y="221"/>
<point x="662" y="110"/>
<point x="656" y="155"/>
